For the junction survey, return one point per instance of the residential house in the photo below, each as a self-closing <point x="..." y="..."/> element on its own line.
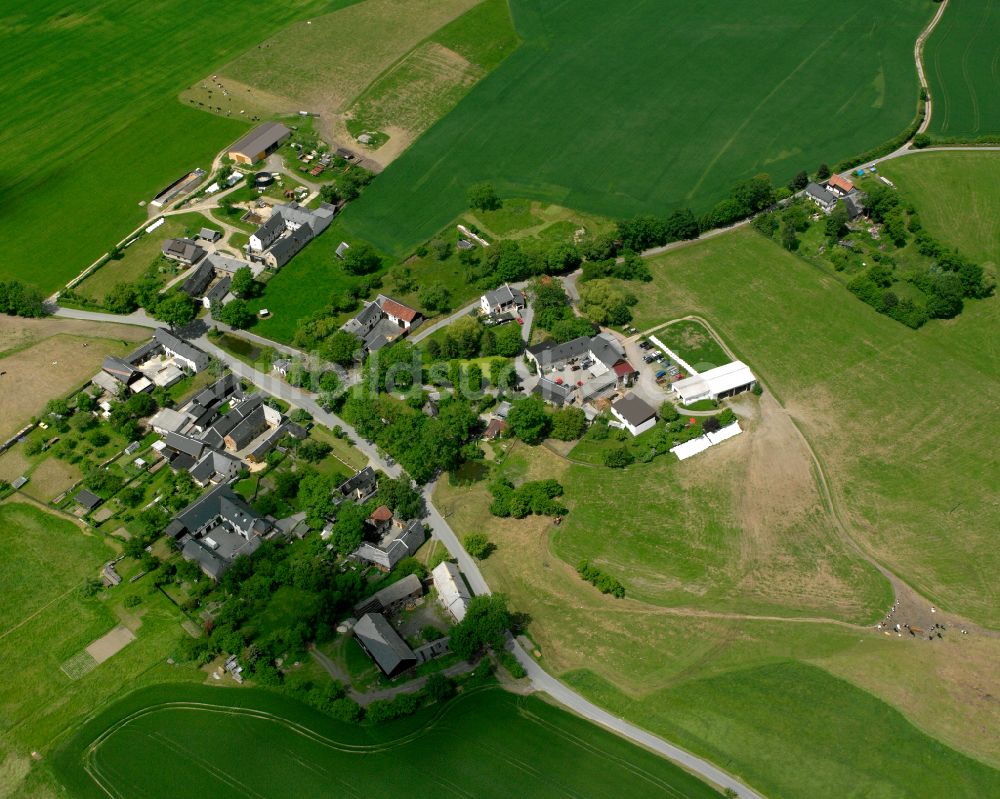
<point x="359" y="487"/>
<point x="267" y="233"/>
<point x="186" y="354"/>
<point x="218" y="528"/>
<point x="823" y="197"/>
<point x="183" y="251"/>
<point x="392" y="598"/>
<point x="215" y="467"/>
<point x="636" y="415"/>
<point x="382" y="322"/>
<point x="452" y="591"/>
<point x="122" y="371"/>
<point x="219" y="294"/>
<point x="494" y="429"/>
<point x="501" y="300"/>
<point x="289" y="228"/>
<point x="398" y="543"/>
<point x="839" y="186"/>
<point x="198" y="280"/>
<point x="384" y="645"/>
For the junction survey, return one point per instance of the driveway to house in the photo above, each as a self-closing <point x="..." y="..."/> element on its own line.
<point x="140" y="317"/>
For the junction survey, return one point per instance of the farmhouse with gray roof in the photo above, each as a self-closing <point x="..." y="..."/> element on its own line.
<point x="183" y="251"/>
<point x="217" y="528"/>
<point x="502" y="299"/>
<point x="398" y="543"/>
<point x="383" y="645"/>
<point x="193" y="358"/>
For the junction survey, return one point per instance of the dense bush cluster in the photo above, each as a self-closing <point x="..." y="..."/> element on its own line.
<point x="644" y="232"/>
<point x="533" y="497"/>
<point x="486" y="623"/>
<point x="16" y="299"/>
<point x="601" y="580"/>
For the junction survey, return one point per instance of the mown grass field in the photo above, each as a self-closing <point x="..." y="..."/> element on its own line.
<point x="91" y="121"/>
<point x="618" y="109"/>
<point x="961" y="58"/>
<point x="743" y="691"/>
<point x="47" y="621"/>
<point x="692" y="342"/>
<point x="485" y="743"/>
<point x="956" y="194"/>
<point x="918" y="491"/>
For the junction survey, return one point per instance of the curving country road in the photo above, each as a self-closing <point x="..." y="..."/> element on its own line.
<point x="540" y="679"/>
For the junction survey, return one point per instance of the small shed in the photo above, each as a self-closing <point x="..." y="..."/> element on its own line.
<point x="87" y="499"/>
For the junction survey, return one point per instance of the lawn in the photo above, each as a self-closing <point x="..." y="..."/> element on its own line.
<point x="694" y="344"/>
<point x="671" y="117"/>
<point x="138" y="257"/>
<point x="484" y="743"/>
<point x="961" y="62"/>
<point x="47" y="621"/>
<point x="91" y="121"/>
<point x="956" y="194"/>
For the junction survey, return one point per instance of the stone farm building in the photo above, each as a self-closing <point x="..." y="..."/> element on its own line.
<point x="259" y="143"/>
<point x="452" y="591"/>
<point x="286" y="231"/>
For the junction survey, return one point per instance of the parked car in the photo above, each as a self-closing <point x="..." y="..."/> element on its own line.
<point x="644" y="345"/>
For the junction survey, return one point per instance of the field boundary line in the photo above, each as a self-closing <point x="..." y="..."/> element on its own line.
<point x="43" y="608"/>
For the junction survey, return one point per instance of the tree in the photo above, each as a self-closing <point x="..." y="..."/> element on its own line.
<point x="439" y="688"/>
<point x="362" y="259"/>
<point x="788" y="238"/>
<point x="401" y="497"/>
<point x="668" y="412"/>
<point x="618" y="458"/>
<point x="235" y="313"/>
<point x="503" y="375"/>
<point x="605" y="303"/>
<point x="435" y="297"/>
<point x="507" y="341"/>
<point x="20" y="300"/>
<point x="463" y="337"/>
<point x="340" y="348"/>
<point x="823" y="172"/>
<point x="528" y="419"/>
<point x="568" y="424"/>
<point x="486" y="623"/>
<point x="121" y="299"/>
<point x="483" y="197"/>
<point x="836" y="222"/>
<point x="800" y="181"/>
<point x="478" y="545"/>
<point x="880" y="201"/>
<point x="571" y="328"/>
<point x="243" y="285"/>
<point x="175" y="309"/>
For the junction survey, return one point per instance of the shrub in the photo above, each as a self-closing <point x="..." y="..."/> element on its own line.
<point x="618" y="458"/>
<point x="604" y="582"/>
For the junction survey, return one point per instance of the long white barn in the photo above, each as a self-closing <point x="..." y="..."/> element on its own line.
<point x="723" y="381"/>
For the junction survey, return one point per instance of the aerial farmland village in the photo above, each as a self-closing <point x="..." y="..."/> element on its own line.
<point x="539" y="399"/>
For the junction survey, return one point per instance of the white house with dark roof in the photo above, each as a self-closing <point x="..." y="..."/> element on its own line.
<point x="502" y="299"/>
<point x="823" y="197"/>
<point x="187" y="354"/>
<point x="636" y="415"/>
<point x="400" y="542"/>
<point x="382" y="322"/>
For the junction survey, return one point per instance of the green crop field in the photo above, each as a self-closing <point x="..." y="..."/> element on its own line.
<point x="961" y="58"/>
<point x="621" y="108"/>
<point x="957" y="196"/>
<point x="92" y="125"/>
<point x="178" y="741"/>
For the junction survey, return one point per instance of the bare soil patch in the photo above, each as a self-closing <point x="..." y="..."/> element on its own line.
<point x="52" y="366"/>
<point x="110" y="644"/>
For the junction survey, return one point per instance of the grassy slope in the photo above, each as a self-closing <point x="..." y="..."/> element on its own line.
<point x="961" y="61"/>
<point x="46" y="622"/>
<point x="673" y="123"/>
<point x="91" y="126"/>
<point x="487" y="743"/>
<point x="957" y="197"/>
<point x="640" y="661"/>
<point x="918" y="492"/>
